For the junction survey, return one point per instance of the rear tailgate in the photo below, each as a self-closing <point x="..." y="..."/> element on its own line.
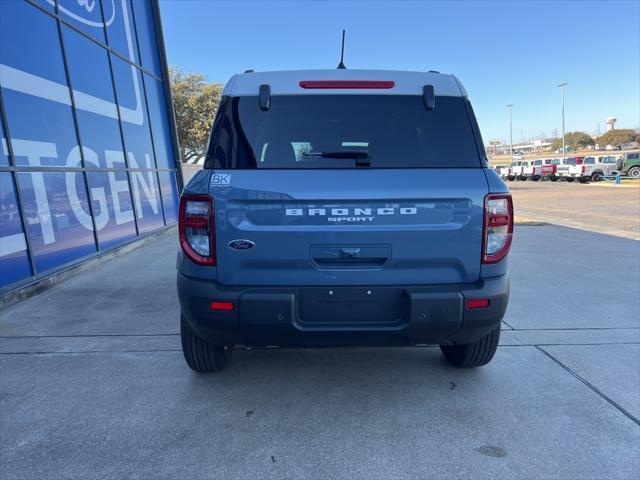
<point x="349" y="226"/>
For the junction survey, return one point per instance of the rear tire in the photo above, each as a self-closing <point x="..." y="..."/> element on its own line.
<point x="634" y="172"/>
<point x="200" y="355"/>
<point x="553" y="178"/>
<point x="474" y="354"/>
<point x="596" y="177"/>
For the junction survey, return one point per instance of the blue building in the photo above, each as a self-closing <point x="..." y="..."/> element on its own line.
<point x="89" y="158"/>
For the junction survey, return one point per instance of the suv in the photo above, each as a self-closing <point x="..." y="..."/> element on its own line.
<point x="517" y="169"/>
<point x="343" y="207"/>
<point x="629" y="164"/>
<point x="545" y="169"/>
<point x="563" y="168"/>
<point x="594" y="168"/>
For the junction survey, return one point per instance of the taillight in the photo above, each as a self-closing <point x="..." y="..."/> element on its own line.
<point x="498" y="227"/>
<point x="196" y="228"/>
<point x="584" y="168"/>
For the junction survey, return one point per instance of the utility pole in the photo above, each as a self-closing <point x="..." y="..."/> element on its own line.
<point x="562" y="85"/>
<point x="510" y="132"/>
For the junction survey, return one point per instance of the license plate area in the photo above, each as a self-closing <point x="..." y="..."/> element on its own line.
<point x="351" y="306"/>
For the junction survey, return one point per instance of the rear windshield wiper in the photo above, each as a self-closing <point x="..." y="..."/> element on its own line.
<point x="361" y="156"/>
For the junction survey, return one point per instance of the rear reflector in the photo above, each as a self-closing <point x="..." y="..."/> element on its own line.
<point x="337" y="84"/>
<point x="477" y="303"/>
<point x="227" y="306"/>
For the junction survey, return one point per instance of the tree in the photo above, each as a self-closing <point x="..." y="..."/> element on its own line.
<point x="195" y="101"/>
<point x="615" y="138"/>
<point x="574" y="140"/>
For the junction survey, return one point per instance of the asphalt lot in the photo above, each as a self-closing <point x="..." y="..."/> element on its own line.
<point x="93" y="384"/>
<point x="600" y="207"/>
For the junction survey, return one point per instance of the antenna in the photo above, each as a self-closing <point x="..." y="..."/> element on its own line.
<point x="341" y="65"/>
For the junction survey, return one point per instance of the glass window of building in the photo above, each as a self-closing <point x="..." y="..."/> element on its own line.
<point x="36" y="96"/>
<point x="138" y="145"/>
<point x="100" y="137"/>
<point x="121" y="31"/>
<point x="4" y="151"/>
<point x="85" y="15"/>
<point x="14" y="261"/>
<point x="145" y="26"/>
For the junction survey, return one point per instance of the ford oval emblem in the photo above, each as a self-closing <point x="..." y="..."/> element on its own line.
<point x="241" y="244"/>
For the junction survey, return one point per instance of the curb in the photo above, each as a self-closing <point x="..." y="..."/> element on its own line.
<point x="41" y="284"/>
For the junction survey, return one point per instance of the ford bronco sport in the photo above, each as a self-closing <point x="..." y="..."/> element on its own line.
<point x="343" y="207"/>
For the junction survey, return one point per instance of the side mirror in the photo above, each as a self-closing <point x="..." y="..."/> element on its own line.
<point x="429" y="97"/>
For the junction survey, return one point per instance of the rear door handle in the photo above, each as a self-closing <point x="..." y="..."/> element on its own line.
<point x="350" y="252"/>
<point x="349" y="256"/>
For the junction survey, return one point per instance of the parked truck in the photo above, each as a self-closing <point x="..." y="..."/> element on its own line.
<point x="593" y="168"/>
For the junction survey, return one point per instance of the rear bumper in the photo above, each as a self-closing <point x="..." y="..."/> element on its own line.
<point x="333" y="316"/>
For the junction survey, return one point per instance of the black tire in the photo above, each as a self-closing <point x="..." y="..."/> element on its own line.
<point x="596" y="177"/>
<point x="511" y="178"/>
<point x="634" y="172"/>
<point x="553" y="178"/>
<point x="200" y="355"/>
<point x="473" y="354"/>
<point x="569" y="179"/>
<point x="583" y="180"/>
<point x="535" y="178"/>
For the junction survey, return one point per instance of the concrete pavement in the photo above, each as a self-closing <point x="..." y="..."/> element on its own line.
<point x="93" y="384"/>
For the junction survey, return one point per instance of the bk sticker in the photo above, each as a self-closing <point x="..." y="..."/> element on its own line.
<point x="221" y="179"/>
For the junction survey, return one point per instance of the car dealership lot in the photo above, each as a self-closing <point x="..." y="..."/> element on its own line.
<point x="600" y="207"/>
<point x="93" y="384"/>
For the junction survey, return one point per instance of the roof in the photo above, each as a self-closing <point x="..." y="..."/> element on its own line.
<point x="287" y="82"/>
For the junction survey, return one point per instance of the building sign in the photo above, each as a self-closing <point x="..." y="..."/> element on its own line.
<point x="88" y="132"/>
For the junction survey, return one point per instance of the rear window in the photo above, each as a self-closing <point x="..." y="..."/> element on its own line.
<point x="392" y="131"/>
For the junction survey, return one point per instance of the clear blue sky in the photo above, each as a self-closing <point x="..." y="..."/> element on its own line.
<point x="504" y="52"/>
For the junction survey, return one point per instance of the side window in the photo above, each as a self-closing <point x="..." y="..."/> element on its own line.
<point x="633" y="156"/>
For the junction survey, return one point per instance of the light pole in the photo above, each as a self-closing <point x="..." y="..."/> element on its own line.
<point x="562" y="85"/>
<point x="510" y="132"/>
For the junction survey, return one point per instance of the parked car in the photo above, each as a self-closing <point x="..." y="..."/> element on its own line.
<point x="629" y="164"/>
<point x="373" y="234"/>
<point x="562" y="170"/>
<point x="594" y="168"/>
<point x="517" y="169"/>
<point x="545" y="169"/>
<point x="527" y="170"/>
<point x="505" y="172"/>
